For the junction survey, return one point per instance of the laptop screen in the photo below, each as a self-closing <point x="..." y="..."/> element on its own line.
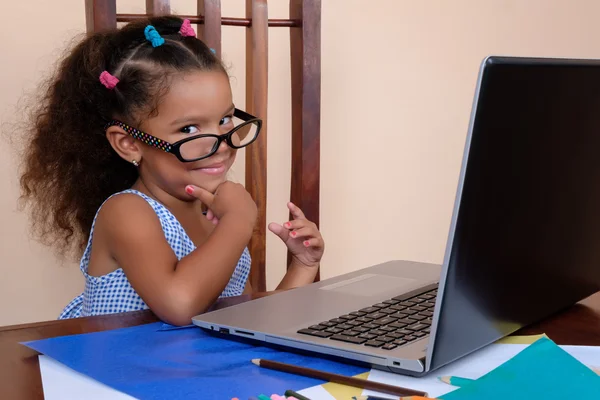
<point x="525" y="237"/>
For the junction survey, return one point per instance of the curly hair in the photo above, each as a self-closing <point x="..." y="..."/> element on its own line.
<point x="69" y="167"/>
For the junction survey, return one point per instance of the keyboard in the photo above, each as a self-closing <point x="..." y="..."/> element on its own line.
<point x="387" y="325"/>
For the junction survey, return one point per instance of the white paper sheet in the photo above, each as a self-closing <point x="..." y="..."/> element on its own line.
<point x="63" y="383"/>
<point x="473" y="366"/>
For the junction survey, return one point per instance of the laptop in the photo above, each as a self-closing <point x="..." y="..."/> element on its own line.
<point x="523" y="244"/>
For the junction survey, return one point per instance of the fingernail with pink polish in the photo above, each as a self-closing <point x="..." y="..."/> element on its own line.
<point x="306" y="243"/>
<point x="293" y="234"/>
<point x="189" y="189"/>
<point x="287" y="225"/>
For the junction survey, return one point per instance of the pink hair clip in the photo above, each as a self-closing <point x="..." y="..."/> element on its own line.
<point x="186" y="28"/>
<point x="108" y="80"/>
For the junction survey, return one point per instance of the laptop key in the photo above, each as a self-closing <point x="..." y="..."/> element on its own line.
<point x="378" y="332"/>
<point x="395" y="335"/>
<point x="389" y="346"/>
<point x="369" y="309"/>
<point x="426" y="313"/>
<point x="391" y="301"/>
<point x="397" y="325"/>
<point x="398" y="307"/>
<point x="348" y="339"/>
<point x="364" y="319"/>
<point x="327" y="323"/>
<point x="376" y="315"/>
<point x="384" y="321"/>
<point x="418" y="317"/>
<point x="380" y="305"/>
<point x="348" y="317"/>
<point x="350" y="333"/>
<point x="404" y="332"/>
<point x="409" y="338"/>
<point x="400" y="342"/>
<point x="399" y="315"/>
<point x="407" y="303"/>
<point x="387" y="328"/>
<point x="354" y="323"/>
<point x="374" y="343"/>
<point x="387" y="311"/>
<point x="418" y="308"/>
<point x="385" y="339"/>
<point x="409" y="311"/>
<point x="344" y="326"/>
<point x="310" y="332"/>
<point x="367" y="336"/>
<point x="417" y="327"/>
<point x="317" y="327"/>
<point x="370" y="326"/>
<point x="428" y="330"/>
<point x="427" y="296"/>
<point x="406" y="321"/>
<point x="360" y="329"/>
<point x="358" y="313"/>
<point x="334" y="329"/>
<point x="418" y="300"/>
<point x="419" y="334"/>
<point x="337" y="321"/>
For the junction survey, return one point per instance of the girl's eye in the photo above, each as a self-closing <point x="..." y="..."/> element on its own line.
<point x="225" y="120"/>
<point x="190" y="129"/>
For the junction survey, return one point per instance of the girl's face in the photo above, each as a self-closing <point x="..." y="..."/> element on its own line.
<point x="197" y="103"/>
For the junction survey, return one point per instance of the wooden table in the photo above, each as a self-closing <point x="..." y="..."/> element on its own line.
<point x="20" y="374"/>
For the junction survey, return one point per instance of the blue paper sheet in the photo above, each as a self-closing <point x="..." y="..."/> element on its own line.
<point x="541" y="371"/>
<point x="154" y="362"/>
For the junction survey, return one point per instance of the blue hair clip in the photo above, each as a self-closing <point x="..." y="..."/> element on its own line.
<point x="153" y="36"/>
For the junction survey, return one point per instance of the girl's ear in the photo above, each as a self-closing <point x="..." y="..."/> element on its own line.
<point x="127" y="147"/>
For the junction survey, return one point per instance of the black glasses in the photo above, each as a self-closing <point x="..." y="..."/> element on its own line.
<point x="194" y="148"/>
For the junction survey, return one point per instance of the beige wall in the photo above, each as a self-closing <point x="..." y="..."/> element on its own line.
<point x="397" y="85"/>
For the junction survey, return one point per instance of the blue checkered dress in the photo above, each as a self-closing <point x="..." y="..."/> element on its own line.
<point x="112" y="293"/>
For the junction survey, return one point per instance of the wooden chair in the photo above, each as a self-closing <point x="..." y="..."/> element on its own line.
<point x="305" y="52"/>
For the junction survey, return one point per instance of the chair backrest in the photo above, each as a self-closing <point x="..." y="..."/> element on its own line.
<point x="305" y="51"/>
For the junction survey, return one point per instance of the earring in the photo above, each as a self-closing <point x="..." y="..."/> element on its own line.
<point x="135" y="162"/>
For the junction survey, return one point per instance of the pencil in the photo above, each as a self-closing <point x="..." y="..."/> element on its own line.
<point x="336" y="378"/>
<point x="381" y="398"/>
<point x="291" y="393"/>
<point x="456" y="380"/>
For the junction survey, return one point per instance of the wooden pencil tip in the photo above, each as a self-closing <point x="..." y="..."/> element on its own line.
<point x="445" y="379"/>
<point x="256" y="361"/>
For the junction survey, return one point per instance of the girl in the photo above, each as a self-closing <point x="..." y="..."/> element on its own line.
<point x="127" y="161"/>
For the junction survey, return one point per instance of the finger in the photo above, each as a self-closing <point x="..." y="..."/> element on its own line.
<point x="298" y="223"/>
<point x="215" y="221"/>
<point x="313" y="242"/>
<point x="210" y="215"/>
<point x="305" y="232"/>
<point x="279" y="231"/>
<point x="201" y="194"/>
<point x="295" y="210"/>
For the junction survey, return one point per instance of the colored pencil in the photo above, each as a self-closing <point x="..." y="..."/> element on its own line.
<point x="291" y="393"/>
<point x="456" y="380"/>
<point x="336" y="378"/>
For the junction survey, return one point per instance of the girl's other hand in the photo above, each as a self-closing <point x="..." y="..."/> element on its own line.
<point x="302" y="238"/>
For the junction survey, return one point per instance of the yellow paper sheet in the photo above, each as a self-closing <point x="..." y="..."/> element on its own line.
<point x="342" y="392"/>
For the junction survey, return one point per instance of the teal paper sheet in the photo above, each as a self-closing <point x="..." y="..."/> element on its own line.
<point x="541" y="371"/>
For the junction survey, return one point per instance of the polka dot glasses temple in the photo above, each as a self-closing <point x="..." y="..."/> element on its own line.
<point x="175" y="148"/>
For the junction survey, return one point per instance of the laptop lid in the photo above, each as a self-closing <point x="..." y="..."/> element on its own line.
<point x="524" y="240"/>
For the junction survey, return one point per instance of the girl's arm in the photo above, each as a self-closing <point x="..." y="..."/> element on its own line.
<point x="177" y="290"/>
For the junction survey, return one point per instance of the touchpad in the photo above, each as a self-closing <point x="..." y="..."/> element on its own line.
<point x="370" y="285"/>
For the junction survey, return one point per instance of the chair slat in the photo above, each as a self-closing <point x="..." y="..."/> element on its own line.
<point x="210" y="31"/>
<point x="305" y="52"/>
<point x="256" y="155"/>
<point x="100" y="15"/>
<point x="158" y="7"/>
